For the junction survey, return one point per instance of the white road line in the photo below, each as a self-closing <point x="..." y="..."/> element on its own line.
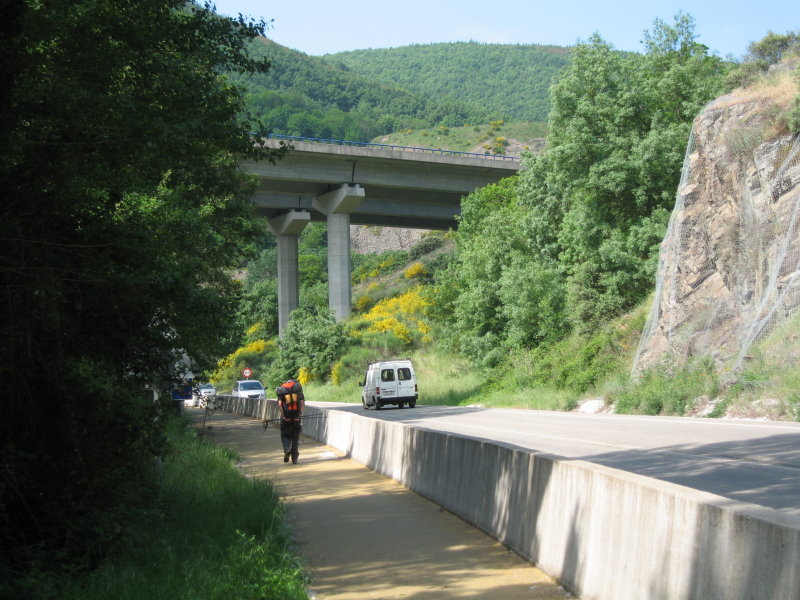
<point x="538" y="435"/>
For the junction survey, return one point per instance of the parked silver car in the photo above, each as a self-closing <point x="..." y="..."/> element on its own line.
<point x="249" y="388"/>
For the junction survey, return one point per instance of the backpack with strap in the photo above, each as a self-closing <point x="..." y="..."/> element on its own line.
<point x="289" y="393"/>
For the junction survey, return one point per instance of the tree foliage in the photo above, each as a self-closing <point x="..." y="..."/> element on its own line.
<point x="510" y="81"/>
<point x="574" y="242"/>
<point x="762" y="54"/>
<point x="123" y="209"/>
<point x="312" y="342"/>
<point x="307" y="96"/>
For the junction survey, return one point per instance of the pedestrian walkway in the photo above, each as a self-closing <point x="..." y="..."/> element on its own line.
<point x="362" y="535"/>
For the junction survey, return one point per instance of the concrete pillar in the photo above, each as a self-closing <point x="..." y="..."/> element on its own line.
<point x="287" y="228"/>
<point x="338" y="205"/>
<point x="339" y="265"/>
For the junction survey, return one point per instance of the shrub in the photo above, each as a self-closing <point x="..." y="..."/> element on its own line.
<point x="304" y="375"/>
<point x="362" y="303"/>
<point x="664" y="389"/>
<point x="402" y="317"/>
<point x="793" y="116"/>
<point x="172" y="549"/>
<point x="252" y="355"/>
<point x="415" y="270"/>
<point x="374" y="265"/>
<point x="336" y="373"/>
<point x="312" y="342"/>
<point x="427" y="243"/>
<point x="438" y="263"/>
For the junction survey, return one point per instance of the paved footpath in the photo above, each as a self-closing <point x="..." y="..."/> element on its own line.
<point x="362" y="535"/>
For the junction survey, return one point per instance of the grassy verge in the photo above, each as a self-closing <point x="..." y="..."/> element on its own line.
<point x="447" y="380"/>
<point x="214" y="534"/>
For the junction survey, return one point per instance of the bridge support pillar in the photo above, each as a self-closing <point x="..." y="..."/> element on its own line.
<point x="287" y="228"/>
<point x="338" y="205"/>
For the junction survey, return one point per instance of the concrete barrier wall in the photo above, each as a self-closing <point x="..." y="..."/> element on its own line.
<point x="603" y="533"/>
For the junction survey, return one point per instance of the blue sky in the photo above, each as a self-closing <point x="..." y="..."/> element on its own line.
<point x="325" y="26"/>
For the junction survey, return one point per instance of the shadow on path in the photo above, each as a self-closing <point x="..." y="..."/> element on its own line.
<point x="365" y="536"/>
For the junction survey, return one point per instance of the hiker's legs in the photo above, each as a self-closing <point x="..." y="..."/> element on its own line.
<point x="296" y="429"/>
<point x="286" y="436"/>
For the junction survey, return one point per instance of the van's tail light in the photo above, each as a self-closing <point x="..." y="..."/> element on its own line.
<point x="377" y="391"/>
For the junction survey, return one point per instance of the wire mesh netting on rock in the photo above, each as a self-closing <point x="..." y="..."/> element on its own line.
<point x="729" y="267"/>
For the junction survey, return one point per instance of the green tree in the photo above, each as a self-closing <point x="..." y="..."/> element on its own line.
<point x="469" y="295"/>
<point x="258" y="310"/>
<point x="773" y="47"/>
<point x="618" y="130"/>
<point x="509" y="81"/>
<point x="123" y="210"/>
<point x="573" y="240"/>
<point x="312" y="341"/>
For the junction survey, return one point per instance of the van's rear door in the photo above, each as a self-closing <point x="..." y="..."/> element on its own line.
<point x="405" y="382"/>
<point x="388" y="381"/>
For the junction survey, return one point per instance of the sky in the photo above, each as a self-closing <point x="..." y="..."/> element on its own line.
<point x="319" y="27"/>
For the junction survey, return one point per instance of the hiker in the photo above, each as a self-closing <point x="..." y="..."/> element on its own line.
<point x="291" y="403"/>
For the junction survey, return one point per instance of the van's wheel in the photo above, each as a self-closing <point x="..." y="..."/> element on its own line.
<point x="412" y="404"/>
<point x="364" y="403"/>
<point x="399" y="405"/>
<point x="376" y="404"/>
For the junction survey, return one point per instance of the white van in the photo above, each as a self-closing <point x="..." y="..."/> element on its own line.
<point x="389" y="382"/>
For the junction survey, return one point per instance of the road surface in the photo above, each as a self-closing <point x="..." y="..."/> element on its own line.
<point x="757" y="462"/>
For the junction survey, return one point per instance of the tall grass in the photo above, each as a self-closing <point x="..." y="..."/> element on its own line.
<point x="668" y="390"/>
<point x="214" y="534"/>
<point x="445" y="380"/>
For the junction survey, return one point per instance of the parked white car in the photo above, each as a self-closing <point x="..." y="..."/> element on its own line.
<point x="389" y="382"/>
<point x="249" y="388"/>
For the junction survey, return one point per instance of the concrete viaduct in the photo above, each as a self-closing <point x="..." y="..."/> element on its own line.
<point x="365" y="184"/>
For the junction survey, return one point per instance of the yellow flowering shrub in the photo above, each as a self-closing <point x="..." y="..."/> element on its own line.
<point x="253" y="329"/>
<point x="415" y="270"/>
<point x="392" y="325"/>
<point x="256" y="347"/>
<point x="362" y="302"/>
<point x="250" y="355"/>
<point x="304" y="376"/>
<point x="402" y="316"/>
<point x="336" y="373"/>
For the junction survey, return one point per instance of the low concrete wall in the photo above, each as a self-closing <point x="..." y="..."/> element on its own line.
<point x="604" y="533"/>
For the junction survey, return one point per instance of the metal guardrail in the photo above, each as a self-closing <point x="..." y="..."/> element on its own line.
<point x="293" y="138"/>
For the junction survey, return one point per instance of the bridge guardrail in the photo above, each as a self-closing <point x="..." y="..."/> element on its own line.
<point x="293" y="138"/>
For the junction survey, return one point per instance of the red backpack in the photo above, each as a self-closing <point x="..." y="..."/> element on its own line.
<point x="289" y="393"/>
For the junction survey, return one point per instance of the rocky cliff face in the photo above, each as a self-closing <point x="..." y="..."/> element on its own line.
<point x="729" y="269"/>
<point x="365" y="240"/>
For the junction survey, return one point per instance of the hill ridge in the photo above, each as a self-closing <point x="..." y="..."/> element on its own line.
<point x="512" y="81"/>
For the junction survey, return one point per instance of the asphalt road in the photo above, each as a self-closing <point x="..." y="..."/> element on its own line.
<point x="757" y="462"/>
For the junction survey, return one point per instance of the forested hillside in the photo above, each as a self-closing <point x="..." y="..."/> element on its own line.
<point x="306" y="96"/>
<point x="544" y="261"/>
<point x="545" y="284"/>
<point x="511" y="82"/>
